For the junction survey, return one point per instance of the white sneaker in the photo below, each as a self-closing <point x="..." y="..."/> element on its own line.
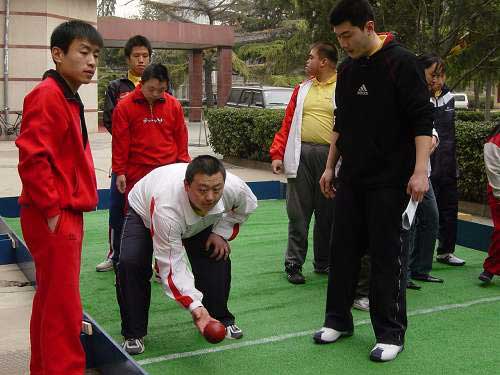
<point x="134" y="346"/>
<point x="362" y="304"/>
<point x="450" y="259"/>
<point x="104" y="266"/>
<point x="328" y="335"/>
<point x="385" y="352"/>
<point x="233" y="332"/>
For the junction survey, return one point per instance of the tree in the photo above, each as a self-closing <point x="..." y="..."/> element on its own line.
<point x="216" y="11"/>
<point x="106" y="8"/>
<point x="464" y="32"/>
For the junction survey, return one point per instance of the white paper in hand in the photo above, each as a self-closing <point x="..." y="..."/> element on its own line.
<point x="409" y="214"/>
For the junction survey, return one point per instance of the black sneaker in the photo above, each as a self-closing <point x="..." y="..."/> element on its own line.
<point x="412" y="285"/>
<point x="294" y="274"/>
<point x="486" y="277"/>
<point x="296" y="278"/>
<point x="134" y="346"/>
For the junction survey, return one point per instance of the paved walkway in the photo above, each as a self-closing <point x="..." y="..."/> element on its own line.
<point x="101" y="150"/>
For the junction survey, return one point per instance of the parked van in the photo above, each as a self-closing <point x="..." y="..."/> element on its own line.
<point x="259" y="97"/>
<point x="461" y="100"/>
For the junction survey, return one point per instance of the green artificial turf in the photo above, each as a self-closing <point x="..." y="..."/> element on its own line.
<point x="459" y="340"/>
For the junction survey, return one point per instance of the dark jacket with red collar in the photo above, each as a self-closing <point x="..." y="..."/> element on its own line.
<point x="116" y="91"/>
<point x="55" y="161"/>
<point x="147" y="136"/>
<point x="382" y="104"/>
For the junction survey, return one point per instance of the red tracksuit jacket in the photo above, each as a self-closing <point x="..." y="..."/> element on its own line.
<point x="55" y="161"/>
<point x="278" y="146"/>
<point x="147" y="136"/>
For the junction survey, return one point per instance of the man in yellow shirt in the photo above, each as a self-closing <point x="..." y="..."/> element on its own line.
<point x="300" y="150"/>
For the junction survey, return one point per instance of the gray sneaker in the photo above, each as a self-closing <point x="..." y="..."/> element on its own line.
<point x="104" y="266"/>
<point x="233" y="332"/>
<point x="362" y="304"/>
<point x="133" y="346"/>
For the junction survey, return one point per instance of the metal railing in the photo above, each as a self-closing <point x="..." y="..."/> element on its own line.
<point x="8" y="128"/>
<point x="202" y="125"/>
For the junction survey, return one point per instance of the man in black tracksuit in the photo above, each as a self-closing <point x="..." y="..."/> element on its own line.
<point x="382" y="131"/>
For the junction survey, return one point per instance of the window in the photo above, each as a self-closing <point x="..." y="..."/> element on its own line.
<point x="277" y="98"/>
<point x="234" y="97"/>
<point x="257" y="100"/>
<point x="246" y="98"/>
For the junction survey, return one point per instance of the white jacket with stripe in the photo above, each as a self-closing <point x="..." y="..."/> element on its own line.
<point x="161" y="201"/>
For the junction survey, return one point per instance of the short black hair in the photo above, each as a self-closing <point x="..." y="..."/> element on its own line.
<point x="65" y="33"/>
<point x="357" y="12"/>
<point x="428" y="59"/>
<point x="158" y="71"/>
<point x="326" y="50"/>
<point x="137" y="41"/>
<point x="204" y="164"/>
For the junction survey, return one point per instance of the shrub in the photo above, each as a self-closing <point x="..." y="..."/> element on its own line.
<point x="470" y="140"/>
<point x="248" y="134"/>
<point x="471" y="115"/>
<point x="243" y="133"/>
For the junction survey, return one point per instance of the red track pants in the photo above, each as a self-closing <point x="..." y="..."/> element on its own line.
<point x="56" y="318"/>
<point x="492" y="263"/>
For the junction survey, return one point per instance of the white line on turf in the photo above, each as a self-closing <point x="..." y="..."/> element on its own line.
<point x="267" y="340"/>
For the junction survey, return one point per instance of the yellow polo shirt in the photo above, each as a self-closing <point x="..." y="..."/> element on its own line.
<point x="134" y="79"/>
<point x="317" y="115"/>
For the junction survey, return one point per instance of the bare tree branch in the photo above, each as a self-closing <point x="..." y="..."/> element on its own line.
<point x="481" y="62"/>
<point x="470" y="19"/>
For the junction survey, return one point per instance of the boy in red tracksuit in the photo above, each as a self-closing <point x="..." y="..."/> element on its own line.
<point x="492" y="163"/>
<point x="148" y="131"/>
<point x="59" y="184"/>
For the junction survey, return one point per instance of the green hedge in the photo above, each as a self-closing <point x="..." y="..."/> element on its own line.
<point x="243" y="133"/>
<point x="248" y="134"/>
<point x="468" y="115"/>
<point x="470" y="140"/>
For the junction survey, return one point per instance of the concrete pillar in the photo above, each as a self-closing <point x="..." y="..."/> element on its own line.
<point x="195" y="84"/>
<point x="225" y="74"/>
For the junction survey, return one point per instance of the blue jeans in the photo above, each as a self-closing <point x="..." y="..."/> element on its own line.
<point x="422" y="235"/>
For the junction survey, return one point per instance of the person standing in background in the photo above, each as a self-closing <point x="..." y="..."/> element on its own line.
<point x="137" y="53"/>
<point x="444" y="169"/>
<point x="421" y="239"/>
<point x="299" y="150"/>
<point x="492" y="162"/>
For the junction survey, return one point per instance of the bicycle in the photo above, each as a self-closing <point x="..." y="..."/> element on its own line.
<point x="10" y="128"/>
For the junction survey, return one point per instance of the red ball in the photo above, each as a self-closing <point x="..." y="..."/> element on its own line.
<point x="214" y="332"/>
